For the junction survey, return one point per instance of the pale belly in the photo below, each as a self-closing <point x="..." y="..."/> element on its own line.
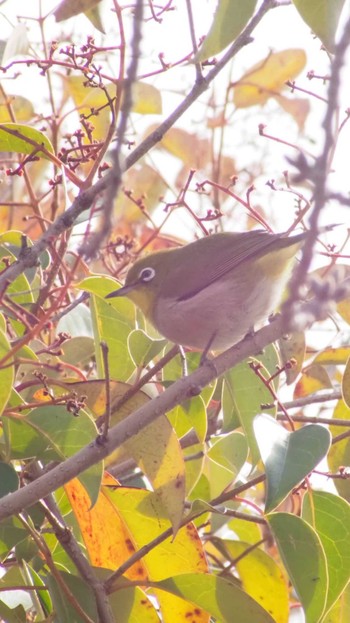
<point x="220" y="315"/>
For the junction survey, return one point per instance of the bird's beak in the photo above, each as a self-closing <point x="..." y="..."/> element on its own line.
<point x="124" y="291"/>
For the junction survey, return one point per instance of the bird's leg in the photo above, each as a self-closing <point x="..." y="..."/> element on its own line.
<point x="183" y="361"/>
<point x="207" y="349"/>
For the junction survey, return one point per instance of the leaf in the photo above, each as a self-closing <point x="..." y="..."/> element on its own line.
<point x="346" y="384"/>
<point x="6" y="373"/>
<point x="296" y="107"/>
<point x="333" y="356"/>
<point x="288" y="457"/>
<point x="261" y="577"/>
<point x="304" y="559"/>
<point x="112" y="323"/>
<point x="267" y="78"/>
<point x="63" y="607"/>
<point x="156" y="449"/>
<point x="9" y="480"/>
<point x="13" y="615"/>
<point x="224" y="460"/>
<point x="17" y="43"/>
<point x="19" y="138"/>
<point x="220" y="598"/>
<point x="95" y="102"/>
<point x="339" y="453"/>
<point x="143" y="349"/>
<point x="147" y="99"/>
<point x="329" y="515"/>
<point x="51" y="433"/>
<point x="144" y="183"/>
<point x="23" y="108"/>
<point x="105" y="535"/>
<point x="292" y="348"/>
<point x="69" y="8"/>
<point x="314" y="378"/>
<point x="340" y="613"/>
<point x="248" y="393"/>
<point x="95" y="17"/>
<point x="231" y="16"/>
<point x="323" y="17"/>
<point x="144" y="519"/>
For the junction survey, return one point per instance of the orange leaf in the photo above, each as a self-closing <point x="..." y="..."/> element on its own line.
<point x="106" y="538"/>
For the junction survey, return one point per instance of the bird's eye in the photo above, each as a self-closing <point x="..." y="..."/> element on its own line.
<point x="147" y="274"/>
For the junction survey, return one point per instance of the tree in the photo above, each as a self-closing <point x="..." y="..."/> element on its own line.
<point x="206" y="506"/>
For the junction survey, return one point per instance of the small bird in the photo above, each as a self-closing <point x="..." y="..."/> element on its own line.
<point x="210" y="293"/>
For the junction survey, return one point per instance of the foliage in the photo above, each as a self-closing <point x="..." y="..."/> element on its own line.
<point x="127" y="491"/>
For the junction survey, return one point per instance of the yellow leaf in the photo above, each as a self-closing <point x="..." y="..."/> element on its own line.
<point x="144" y="518"/>
<point x="105" y="535"/>
<point x="313" y="379"/>
<point x="156" y="449"/>
<point x="147" y="100"/>
<point x="267" y="78"/>
<point x="22" y="108"/>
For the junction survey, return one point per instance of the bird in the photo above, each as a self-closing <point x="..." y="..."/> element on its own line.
<point x="214" y="291"/>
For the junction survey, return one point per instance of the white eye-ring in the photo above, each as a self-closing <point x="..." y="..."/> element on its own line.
<point x="147" y="274"/>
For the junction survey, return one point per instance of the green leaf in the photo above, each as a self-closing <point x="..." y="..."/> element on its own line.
<point x="224" y="460"/>
<point x="83" y="595"/>
<point x="6" y="373"/>
<point x="288" y="457"/>
<point x="303" y="556"/>
<point x="230" y="18"/>
<point x="95" y="17"/>
<point x="220" y="598"/>
<point x="51" y="433"/>
<point x="248" y="394"/>
<point x="112" y="323"/>
<point x="12" y="615"/>
<point x="22" y="139"/>
<point x="142" y="348"/>
<point x="323" y="17"/>
<point x="9" y="480"/>
<point x="329" y="515"/>
<point x="11" y="533"/>
<point x="69" y="8"/>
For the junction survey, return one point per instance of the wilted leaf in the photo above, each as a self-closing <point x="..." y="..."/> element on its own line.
<point x="267" y="78"/>
<point x="298" y="108"/>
